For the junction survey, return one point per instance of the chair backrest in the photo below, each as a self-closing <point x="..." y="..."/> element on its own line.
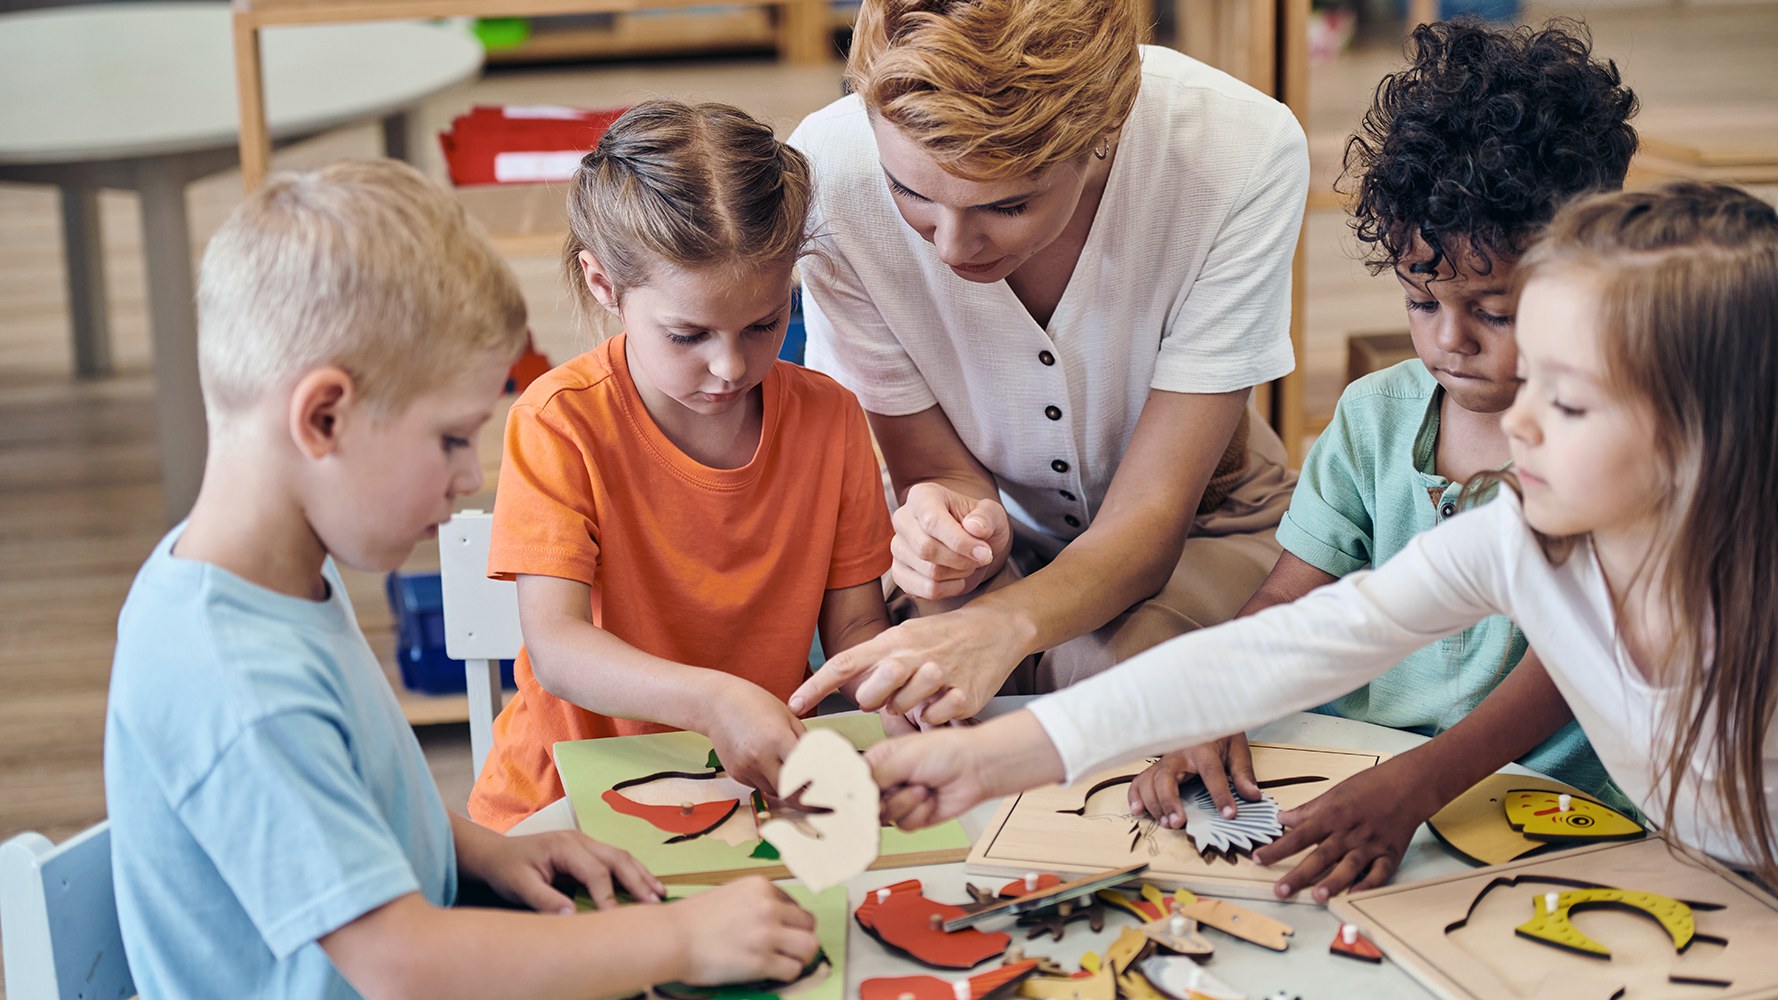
<point x="481" y="620"/>
<point x="58" y="918"/>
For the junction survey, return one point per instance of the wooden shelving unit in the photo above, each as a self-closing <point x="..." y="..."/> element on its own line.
<point x="710" y="30"/>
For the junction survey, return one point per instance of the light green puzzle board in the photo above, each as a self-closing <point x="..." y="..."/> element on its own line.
<point x="590" y="767"/>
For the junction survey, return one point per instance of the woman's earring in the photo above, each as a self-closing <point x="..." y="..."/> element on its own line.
<point x="1104" y="148"/>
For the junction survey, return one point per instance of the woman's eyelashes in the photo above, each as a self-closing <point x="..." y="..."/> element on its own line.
<point x="900" y="191"/>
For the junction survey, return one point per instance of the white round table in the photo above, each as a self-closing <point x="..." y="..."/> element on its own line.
<point x="141" y="96"/>
<point x="1305" y="969"/>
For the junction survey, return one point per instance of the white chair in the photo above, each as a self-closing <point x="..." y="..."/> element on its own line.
<point x="481" y="621"/>
<point x="59" y="919"/>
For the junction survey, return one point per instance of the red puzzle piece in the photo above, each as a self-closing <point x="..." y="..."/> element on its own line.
<point x="701" y="817"/>
<point x="1017" y="888"/>
<point x="910" y="923"/>
<point x="993" y="983"/>
<point x="1361" y="948"/>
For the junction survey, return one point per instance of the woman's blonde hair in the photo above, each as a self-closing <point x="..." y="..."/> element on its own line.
<point x="994" y="89"/>
<point x="1685" y="277"/>
<point x="690" y="185"/>
<point x="363" y="264"/>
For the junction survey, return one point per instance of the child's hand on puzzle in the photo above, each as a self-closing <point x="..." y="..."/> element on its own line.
<point x="1362" y="826"/>
<point x="752" y="732"/>
<point x="525" y="869"/>
<point x="938" y="775"/>
<point x="744" y="931"/>
<point x="1155" y="792"/>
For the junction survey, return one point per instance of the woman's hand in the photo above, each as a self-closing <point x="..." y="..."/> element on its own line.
<point x="1362" y="826"/>
<point x="751" y="731"/>
<point x="947" y="665"/>
<point x="946" y="542"/>
<point x="1155" y="792"/>
<point x="524" y="869"/>
<point x="744" y="931"/>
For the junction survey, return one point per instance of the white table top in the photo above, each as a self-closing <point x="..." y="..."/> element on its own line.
<point x="110" y="81"/>
<point x="1305" y="970"/>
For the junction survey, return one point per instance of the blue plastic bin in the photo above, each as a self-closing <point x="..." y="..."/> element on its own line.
<point x="417" y="600"/>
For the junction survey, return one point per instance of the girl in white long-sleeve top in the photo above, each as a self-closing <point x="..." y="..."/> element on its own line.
<point x="1638" y="550"/>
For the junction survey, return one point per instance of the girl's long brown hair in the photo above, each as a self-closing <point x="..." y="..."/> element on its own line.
<point x="1686" y="277"/>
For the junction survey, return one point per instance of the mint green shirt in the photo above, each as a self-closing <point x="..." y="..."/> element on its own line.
<point x="1367" y="487"/>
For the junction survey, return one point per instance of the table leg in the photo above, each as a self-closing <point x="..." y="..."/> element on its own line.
<point x="85" y="255"/>
<point x="172" y="318"/>
<point x="395" y="137"/>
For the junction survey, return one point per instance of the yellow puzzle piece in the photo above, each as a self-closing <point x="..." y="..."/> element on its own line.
<point x="1551" y="925"/>
<point x="1538" y="814"/>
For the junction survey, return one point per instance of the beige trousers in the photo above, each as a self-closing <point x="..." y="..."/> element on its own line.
<point x="1228" y="553"/>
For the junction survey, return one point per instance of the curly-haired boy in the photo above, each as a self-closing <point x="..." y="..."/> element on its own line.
<point x="1460" y="161"/>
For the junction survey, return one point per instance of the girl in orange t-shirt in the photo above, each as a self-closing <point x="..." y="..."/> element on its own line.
<point x="680" y="508"/>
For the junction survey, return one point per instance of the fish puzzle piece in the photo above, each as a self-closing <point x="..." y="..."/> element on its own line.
<point x="1254" y="824"/>
<point x="989" y="985"/>
<point x="906" y="921"/>
<point x="1550" y="922"/>
<point x="1564" y="817"/>
<point x="836" y="832"/>
<point x="1178" y="933"/>
<point x="1183" y="979"/>
<point x="1348" y="941"/>
<point x="1233" y="920"/>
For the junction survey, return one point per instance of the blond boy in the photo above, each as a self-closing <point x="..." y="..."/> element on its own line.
<point x="275" y="829"/>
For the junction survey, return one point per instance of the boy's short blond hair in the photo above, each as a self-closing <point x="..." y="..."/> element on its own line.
<point x="365" y="265"/>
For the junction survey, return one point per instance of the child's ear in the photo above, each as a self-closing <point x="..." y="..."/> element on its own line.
<point x="597" y="281"/>
<point x="318" y="403"/>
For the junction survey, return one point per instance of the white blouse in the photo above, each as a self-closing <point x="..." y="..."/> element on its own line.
<point x="1183" y="285"/>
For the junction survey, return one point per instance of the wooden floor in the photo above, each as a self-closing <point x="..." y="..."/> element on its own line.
<point x="79" y="494"/>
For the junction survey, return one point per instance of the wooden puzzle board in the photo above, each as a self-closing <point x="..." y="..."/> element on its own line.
<point x="1035" y="831"/>
<point x="1485" y="960"/>
<point x="589" y="768"/>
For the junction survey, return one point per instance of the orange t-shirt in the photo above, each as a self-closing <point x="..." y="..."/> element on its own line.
<point x="719" y="568"/>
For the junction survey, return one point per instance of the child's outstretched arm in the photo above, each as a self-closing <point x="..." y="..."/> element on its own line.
<point x="1155" y="792"/>
<point x="1229" y="677"/>
<point x="579" y="662"/>
<point x="1363" y="824"/>
<point x="742" y="931"/>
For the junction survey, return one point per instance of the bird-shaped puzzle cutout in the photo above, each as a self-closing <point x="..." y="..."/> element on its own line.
<point x="827" y="830"/>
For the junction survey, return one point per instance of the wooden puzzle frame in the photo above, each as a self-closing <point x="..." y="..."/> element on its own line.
<point x="589" y="768"/>
<point x="1035" y="831"/>
<point x="1447" y="934"/>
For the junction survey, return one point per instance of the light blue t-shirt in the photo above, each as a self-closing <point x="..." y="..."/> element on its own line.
<point x="263" y="785"/>
<point x="1368" y="486"/>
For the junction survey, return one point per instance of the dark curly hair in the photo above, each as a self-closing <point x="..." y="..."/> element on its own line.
<point x="1483" y="137"/>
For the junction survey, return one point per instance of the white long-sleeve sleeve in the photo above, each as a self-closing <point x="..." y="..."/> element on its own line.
<point x="1217" y="681"/>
